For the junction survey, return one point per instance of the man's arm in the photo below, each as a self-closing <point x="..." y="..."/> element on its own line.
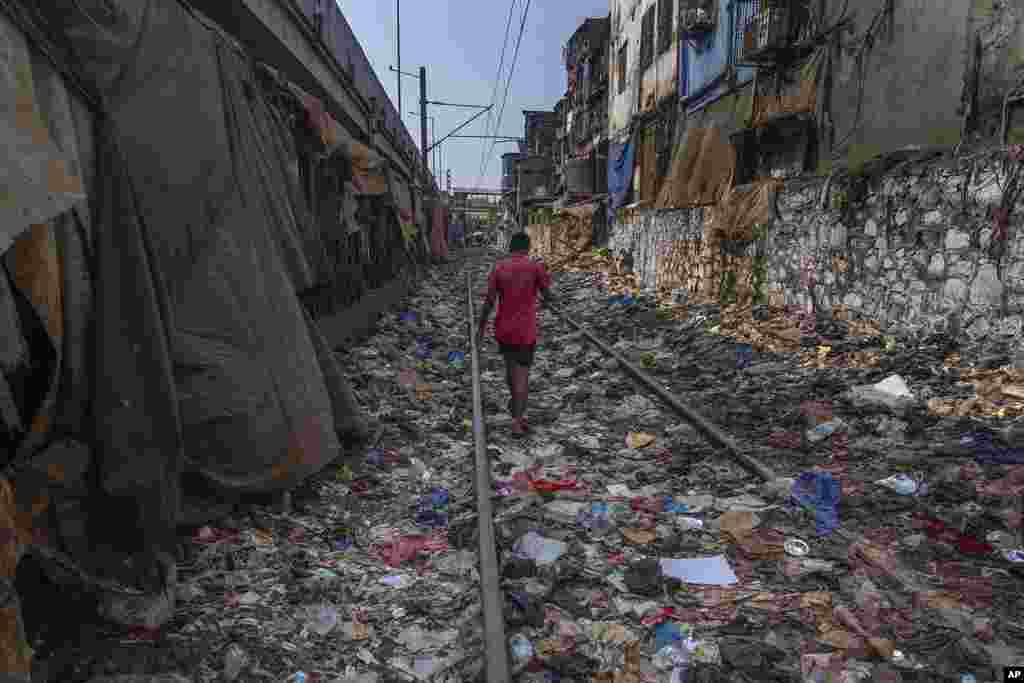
<point x="485" y="314"/>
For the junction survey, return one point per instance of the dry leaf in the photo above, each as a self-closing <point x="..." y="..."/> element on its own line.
<point x="882" y="647"/>
<point x="737" y="525"/>
<point x="639" y="536"/>
<point x="1014" y="391"/>
<point x="639" y="439"/>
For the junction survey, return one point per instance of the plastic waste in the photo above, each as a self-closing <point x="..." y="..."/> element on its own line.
<point x="322" y="619"/>
<point x="419" y="470"/>
<point x="891" y="394"/>
<point x="674" y="507"/>
<point x="597" y="519"/>
<point x="819" y="493"/>
<point x="901" y="484"/>
<point x="424" y="347"/>
<point x="824" y="430"/>
<point x="541" y="550"/>
<point x="666" y="633"/>
<point x="744" y="356"/>
<point x="522" y="652"/>
<point x="457" y="359"/>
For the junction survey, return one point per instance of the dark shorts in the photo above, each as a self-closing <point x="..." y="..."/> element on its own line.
<point x="518" y="354"/>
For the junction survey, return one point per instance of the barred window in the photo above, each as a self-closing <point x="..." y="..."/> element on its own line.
<point x="647" y="39"/>
<point x="665" y="25"/>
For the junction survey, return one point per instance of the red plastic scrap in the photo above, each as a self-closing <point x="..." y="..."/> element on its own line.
<point x="1010" y="485"/>
<point x="785" y="440"/>
<point x="360" y="487"/>
<point x="938" y="530"/>
<point x="143" y="633"/>
<point x="970" y="471"/>
<point x="549" y="486"/>
<point x="407" y="548"/>
<point x="658" y="616"/>
<point x="883" y="536"/>
<point x="816" y="409"/>
<point x="651" y="505"/>
<point x="209" y="535"/>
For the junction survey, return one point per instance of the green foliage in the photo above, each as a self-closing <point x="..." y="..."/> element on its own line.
<point x="760" y="279"/>
<point x="727" y="289"/>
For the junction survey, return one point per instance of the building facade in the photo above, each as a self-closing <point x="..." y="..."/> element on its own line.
<point x="583" y="112"/>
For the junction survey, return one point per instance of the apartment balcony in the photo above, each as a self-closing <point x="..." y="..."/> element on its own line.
<point x="771" y="31"/>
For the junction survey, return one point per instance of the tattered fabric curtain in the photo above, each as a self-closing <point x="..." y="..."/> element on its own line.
<point x="704" y="164"/>
<point x="369" y="170"/>
<point x="620" y="171"/>
<point x="40" y="176"/>
<point x="702" y="169"/>
<point x="741" y="210"/>
<point x="210" y="363"/>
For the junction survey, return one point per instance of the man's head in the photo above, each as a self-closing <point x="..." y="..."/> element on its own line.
<point x="520" y="243"/>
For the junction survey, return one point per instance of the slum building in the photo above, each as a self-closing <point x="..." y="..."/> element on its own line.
<point x="585" y="118"/>
<point x="803" y="130"/>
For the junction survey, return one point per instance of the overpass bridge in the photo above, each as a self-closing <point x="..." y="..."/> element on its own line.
<point x="311" y="44"/>
<point x="477" y="191"/>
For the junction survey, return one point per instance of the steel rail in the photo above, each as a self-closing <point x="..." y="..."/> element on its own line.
<point x="713" y="433"/>
<point x="497" y="663"/>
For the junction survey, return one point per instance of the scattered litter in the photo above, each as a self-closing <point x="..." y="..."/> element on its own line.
<point x="713" y="571"/>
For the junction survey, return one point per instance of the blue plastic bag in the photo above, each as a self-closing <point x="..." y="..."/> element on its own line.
<point x="666" y="633"/>
<point x="819" y="492"/>
<point x="744" y="356"/>
<point x="986" y="452"/>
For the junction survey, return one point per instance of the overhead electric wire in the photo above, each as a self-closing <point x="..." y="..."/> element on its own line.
<point x="497" y="83"/>
<point x="508" y="82"/>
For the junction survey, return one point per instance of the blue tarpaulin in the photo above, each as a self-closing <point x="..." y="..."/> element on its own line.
<point x="704" y="59"/>
<point x="620" y="171"/>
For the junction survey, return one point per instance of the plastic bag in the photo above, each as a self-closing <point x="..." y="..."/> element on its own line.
<point x="819" y="492"/>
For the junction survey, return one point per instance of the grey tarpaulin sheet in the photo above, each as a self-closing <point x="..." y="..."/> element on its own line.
<point x="205" y="358"/>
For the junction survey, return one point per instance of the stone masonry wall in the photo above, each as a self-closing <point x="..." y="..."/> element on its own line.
<point x="912" y="249"/>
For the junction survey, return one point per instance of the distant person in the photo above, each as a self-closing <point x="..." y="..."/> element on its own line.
<point x="456" y="233"/>
<point x="515" y="283"/>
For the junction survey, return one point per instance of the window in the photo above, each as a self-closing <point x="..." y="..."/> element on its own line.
<point x="621" y="67"/>
<point x="647" y="39"/>
<point x="665" y="24"/>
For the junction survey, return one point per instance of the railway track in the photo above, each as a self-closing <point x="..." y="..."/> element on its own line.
<point x="898" y="585"/>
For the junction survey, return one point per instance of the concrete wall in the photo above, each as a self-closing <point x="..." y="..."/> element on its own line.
<point x="917" y="252"/>
<point x="627" y="16"/>
<point x="999" y="27"/>
<point x="334" y="68"/>
<point x="659" y="80"/>
<point x="913" y="77"/>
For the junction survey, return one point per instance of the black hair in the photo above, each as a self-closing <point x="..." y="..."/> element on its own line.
<point x="519" y="242"/>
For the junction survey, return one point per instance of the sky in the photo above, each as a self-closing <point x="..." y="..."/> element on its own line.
<point x="459" y="42"/>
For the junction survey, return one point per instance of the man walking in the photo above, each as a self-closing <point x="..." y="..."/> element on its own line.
<point x="457" y="232"/>
<point x="515" y="282"/>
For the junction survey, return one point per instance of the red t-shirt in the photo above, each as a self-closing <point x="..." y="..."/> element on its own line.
<point x="517" y="281"/>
